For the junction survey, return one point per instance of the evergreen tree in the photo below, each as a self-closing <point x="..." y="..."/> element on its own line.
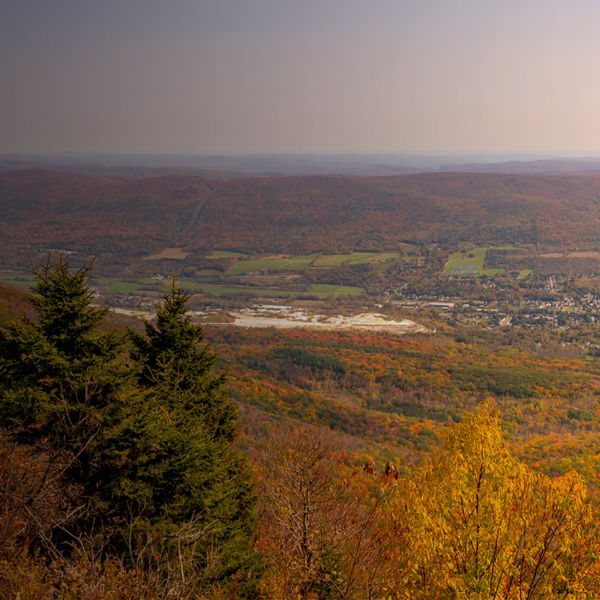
<point x="186" y="474"/>
<point x="61" y="374"/>
<point x="152" y="463"/>
<point x="64" y="387"/>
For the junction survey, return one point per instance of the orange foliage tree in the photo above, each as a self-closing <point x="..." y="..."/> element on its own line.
<point x="319" y="527"/>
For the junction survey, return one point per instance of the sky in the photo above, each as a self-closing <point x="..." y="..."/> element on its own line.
<point x="300" y="76"/>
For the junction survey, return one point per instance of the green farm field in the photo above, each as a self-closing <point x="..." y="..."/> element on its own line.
<point x="18" y="279"/>
<point x="220" y="254"/>
<point x="111" y="285"/>
<point x="317" y="290"/>
<point x="472" y="262"/>
<point x="354" y="258"/>
<point x="118" y="286"/>
<point x="115" y="286"/>
<point x="299" y="263"/>
<point x="294" y="263"/>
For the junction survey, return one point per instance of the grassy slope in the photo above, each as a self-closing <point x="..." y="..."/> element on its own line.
<point x="319" y="290"/>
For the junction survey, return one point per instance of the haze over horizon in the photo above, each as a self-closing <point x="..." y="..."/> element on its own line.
<point x="457" y="77"/>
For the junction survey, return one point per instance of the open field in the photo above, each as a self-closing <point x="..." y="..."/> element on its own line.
<point x="472" y="262"/>
<point x="576" y="254"/>
<point x="169" y="253"/>
<point x="354" y="258"/>
<point x="215" y="289"/>
<point x="113" y="285"/>
<point x="337" y="260"/>
<point x="318" y="290"/>
<point x="469" y="263"/>
<point x="293" y="263"/>
<point x="579" y="261"/>
<point x="18" y="279"/>
<point x="299" y="263"/>
<point x="220" y="254"/>
<point x="120" y="287"/>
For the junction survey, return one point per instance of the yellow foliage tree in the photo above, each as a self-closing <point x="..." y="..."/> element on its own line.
<point x="475" y="522"/>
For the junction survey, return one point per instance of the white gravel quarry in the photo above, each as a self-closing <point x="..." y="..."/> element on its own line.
<point x="364" y="321"/>
<point x="284" y="317"/>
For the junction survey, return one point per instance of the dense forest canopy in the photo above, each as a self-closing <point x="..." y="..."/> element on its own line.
<point x="294" y="214"/>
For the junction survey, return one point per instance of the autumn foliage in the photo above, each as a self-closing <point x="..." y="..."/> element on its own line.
<point x="121" y="478"/>
<point x="295" y="214"/>
<point x="471" y="521"/>
<point x="478" y="523"/>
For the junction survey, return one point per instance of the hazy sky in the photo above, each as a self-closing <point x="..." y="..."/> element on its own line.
<point x="243" y="76"/>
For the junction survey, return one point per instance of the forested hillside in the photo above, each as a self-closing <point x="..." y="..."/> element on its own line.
<point x="43" y="209"/>
<point x="388" y="395"/>
<point x="301" y="214"/>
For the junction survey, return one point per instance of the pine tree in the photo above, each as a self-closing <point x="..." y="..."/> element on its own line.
<point x="61" y="373"/>
<point x="63" y="388"/>
<point x="156" y="461"/>
<point x="187" y="474"/>
<point x="173" y="361"/>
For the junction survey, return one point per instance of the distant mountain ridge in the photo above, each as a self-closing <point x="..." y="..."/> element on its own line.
<point x="231" y="167"/>
<point x="546" y="166"/>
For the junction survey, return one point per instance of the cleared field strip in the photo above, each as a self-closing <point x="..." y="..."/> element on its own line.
<point x="23" y="279"/>
<point x="219" y="254"/>
<point x="317" y="290"/>
<point x="118" y="286"/>
<point x="472" y="262"/>
<point x="299" y="263"/>
<point x="169" y="253"/>
<point x="294" y="263"/>
<point x="354" y="258"/>
<point x="337" y="260"/>
<point x="577" y="254"/>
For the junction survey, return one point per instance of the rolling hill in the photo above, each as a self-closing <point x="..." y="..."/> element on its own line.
<point x="297" y="214"/>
